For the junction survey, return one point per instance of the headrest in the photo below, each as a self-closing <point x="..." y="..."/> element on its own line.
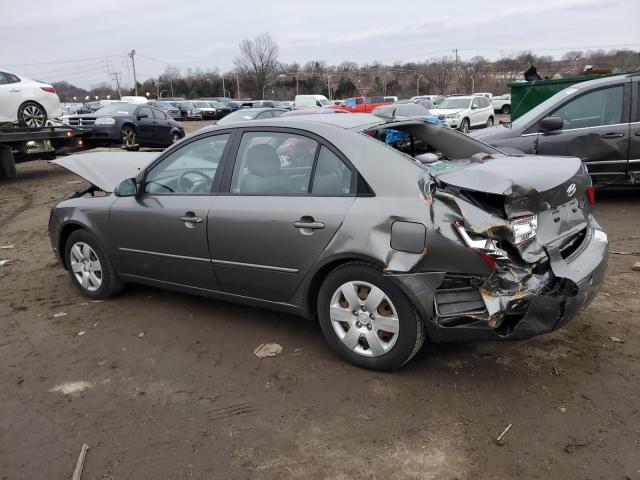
<point x="262" y="160"/>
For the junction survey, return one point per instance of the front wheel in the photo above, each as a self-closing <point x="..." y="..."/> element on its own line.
<point x="367" y="319"/>
<point x="90" y="268"/>
<point x="129" y="138"/>
<point x="464" y="126"/>
<point x="489" y="122"/>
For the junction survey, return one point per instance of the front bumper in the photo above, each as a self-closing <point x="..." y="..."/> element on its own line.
<point x="519" y="302"/>
<point x="102" y="133"/>
<point x="452" y="122"/>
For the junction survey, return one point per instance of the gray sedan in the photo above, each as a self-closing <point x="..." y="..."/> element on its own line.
<point x="382" y="250"/>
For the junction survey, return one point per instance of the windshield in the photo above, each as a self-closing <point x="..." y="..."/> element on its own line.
<point x="217" y="104"/>
<point x="239" y="116"/>
<point x="202" y="104"/>
<point x="455" y="102"/>
<point x="121" y="108"/>
<point x="536" y="111"/>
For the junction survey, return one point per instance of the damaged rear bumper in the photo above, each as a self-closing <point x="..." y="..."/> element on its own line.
<point x="513" y="302"/>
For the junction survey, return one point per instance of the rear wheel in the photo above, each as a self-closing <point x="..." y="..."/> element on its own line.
<point x="30" y="114"/>
<point x="490" y="122"/>
<point x="506" y="109"/>
<point x="90" y="268"/>
<point x="464" y="125"/>
<point x="367" y="319"/>
<point x="175" y="136"/>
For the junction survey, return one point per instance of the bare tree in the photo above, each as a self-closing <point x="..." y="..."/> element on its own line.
<point x="258" y="60"/>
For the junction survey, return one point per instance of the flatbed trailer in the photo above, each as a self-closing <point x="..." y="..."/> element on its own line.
<point x="20" y="144"/>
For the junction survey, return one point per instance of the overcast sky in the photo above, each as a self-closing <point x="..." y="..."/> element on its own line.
<point x="80" y="40"/>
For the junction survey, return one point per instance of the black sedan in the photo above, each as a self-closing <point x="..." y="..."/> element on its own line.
<point x="129" y="125"/>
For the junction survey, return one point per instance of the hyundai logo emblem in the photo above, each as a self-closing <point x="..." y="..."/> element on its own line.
<point x="571" y="190"/>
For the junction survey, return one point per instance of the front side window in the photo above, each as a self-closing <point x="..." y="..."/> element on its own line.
<point x="350" y="102"/>
<point x="593" y="109"/>
<point x="145" y="111"/>
<point x="273" y="163"/>
<point x="159" y="115"/>
<point x="332" y="176"/>
<point x="475" y="103"/>
<point x="188" y="170"/>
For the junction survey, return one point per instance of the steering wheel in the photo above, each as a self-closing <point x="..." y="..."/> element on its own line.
<point x="188" y="185"/>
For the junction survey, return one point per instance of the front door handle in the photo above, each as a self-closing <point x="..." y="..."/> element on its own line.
<point x="612" y="135"/>
<point x="637" y="134"/>
<point x="190" y="219"/>
<point x="15" y="90"/>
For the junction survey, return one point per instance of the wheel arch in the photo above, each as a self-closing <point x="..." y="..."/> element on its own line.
<point x="65" y="233"/>
<point x="310" y="300"/>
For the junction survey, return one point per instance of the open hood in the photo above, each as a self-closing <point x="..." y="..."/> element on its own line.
<point x="106" y="170"/>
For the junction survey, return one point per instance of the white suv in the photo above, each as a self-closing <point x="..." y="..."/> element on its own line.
<point x="26" y="101"/>
<point x="465" y="112"/>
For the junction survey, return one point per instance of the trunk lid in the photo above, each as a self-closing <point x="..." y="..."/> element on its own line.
<point x="529" y="184"/>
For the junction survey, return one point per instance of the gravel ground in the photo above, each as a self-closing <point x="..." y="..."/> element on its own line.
<point x="165" y="385"/>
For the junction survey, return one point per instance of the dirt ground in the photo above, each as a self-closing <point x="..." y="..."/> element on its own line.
<point x="163" y="385"/>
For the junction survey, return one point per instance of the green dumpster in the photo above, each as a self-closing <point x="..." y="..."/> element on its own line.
<point x="526" y="95"/>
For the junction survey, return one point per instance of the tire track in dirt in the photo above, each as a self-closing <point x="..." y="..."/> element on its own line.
<point x="26" y="203"/>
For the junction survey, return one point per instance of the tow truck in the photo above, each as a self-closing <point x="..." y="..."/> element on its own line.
<point x="20" y="144"/>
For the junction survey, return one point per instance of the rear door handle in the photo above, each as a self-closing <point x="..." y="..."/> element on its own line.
<point x="15" y="90"/>
<point x="309" y="222"/>
<point x="612" y="135"/>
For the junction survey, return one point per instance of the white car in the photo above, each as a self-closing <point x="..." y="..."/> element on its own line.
<point x="465" y="112"/>
<point x="26" y="101"/>
<point x="502" y="103"/>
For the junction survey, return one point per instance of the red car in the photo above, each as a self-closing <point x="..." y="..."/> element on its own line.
<point x="361" y="104"/>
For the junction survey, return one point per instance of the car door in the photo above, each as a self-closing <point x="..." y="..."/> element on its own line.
<point x="476" y="112"/>
<point x="487" y="109"/>
<point x="146" y="126"/>
<point x="596" y="129"/>
<point x="634" y="132"/>
<point x="161" y="234"/>
<point x="10" y="96"/>
<point x="270" y="226"/>
<point x="162" y="135"/>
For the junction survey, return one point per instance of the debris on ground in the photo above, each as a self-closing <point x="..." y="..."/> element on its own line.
<point x="69" y="388"/>
<point x="616" y="340"/>
<point x="268" y="350"/>
<point x="77" y="473"/>
<point x="81" y="332"/>
<point x="636" y="266"/>
<point x="573" y="444"/>
<point x="3" y="262"/>
<point x="59" y="314"/>
<point x="501" y="436"/>
<point x="4" y="247"/>
<point x="141" y="334"/>
<point x="613" y="252"/>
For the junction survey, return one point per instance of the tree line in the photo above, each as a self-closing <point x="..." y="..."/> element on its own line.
<point x="259" y="73"/>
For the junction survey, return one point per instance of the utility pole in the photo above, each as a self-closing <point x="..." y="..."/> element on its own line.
<point x="223" y="92"/>
<point x="116" y="77"/>
<point x="133" y="64"/>
<point x="237" y="86"/>
<point x="456" y="74"/>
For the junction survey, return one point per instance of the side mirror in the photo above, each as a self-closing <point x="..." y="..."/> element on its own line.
<point x="142" y="115"/>
<point x="127" y="188"/>
<point x="474" y="107"/>
<point x="551" y="124"/>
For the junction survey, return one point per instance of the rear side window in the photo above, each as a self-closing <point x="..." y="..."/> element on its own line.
<point x="159" y="115"/>
<point x="273" y="163"/>
<point x="593" y="109"/>
<point x="332" y="176"/>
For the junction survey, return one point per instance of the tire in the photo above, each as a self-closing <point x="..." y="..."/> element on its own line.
<point x="489" y="122"/>
<point x="90" y="269"/>
<point x="464" y="125"/>
<point x="32" y="114"/>
<point x="394" y="310"/>
<point x="129" y="138"/>
<point x="7" y="163"/>
<point x="506" y="109"/>
<point x="175" y="137"/>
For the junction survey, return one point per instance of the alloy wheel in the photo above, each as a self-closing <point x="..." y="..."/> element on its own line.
<point x="33" y="116"/>
<point x="364" y="318"/>
<point x="86" y="267"/>
<point x="490" y="122"/>
<point x="128" y="137"/>
<point x="175" y="137"/>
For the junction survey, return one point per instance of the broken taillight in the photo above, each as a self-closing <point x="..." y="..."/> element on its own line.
<point x="484" y="246"/>
<point x="591" y="195"/>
